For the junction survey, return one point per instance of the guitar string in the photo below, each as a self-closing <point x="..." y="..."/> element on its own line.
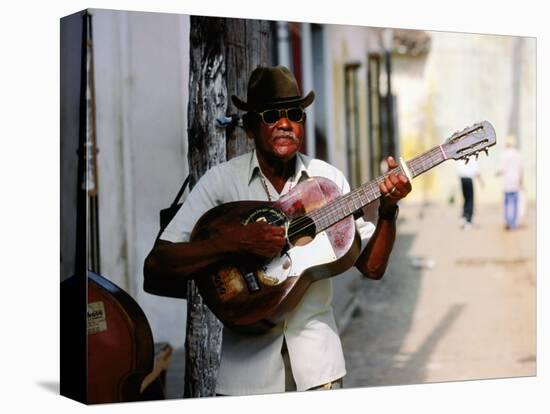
<point x="412" y="163"/>
<point x="313" y="217"/>
<point x="323" y="215"/>
<point x="431" y="158"/>
<point x="369" y="189"/>
<point x="335" y="207"/>
<point x="417" y="165"/>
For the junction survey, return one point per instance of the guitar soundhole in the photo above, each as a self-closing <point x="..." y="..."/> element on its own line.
<point x="268" y="214"/>
<point x="301" y="231"/>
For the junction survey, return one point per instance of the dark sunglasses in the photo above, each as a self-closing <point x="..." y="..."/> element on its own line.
<point x="271" y="116"/>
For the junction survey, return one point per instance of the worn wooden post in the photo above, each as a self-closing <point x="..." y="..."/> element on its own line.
<point x="223" y="53"/>
<point x="207" y="101"/>
<point x="247" y="47"/>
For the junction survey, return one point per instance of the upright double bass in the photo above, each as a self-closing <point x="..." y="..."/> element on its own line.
<point x="107" y="348"/>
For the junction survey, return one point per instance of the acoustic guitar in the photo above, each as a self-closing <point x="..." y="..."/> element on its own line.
<point x="250" y="294"/>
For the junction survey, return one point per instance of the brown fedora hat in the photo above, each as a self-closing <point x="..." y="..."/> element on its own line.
<point x="272" y="87"/>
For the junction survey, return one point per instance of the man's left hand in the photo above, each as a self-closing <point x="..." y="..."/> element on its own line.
<point x="394" y="187"/>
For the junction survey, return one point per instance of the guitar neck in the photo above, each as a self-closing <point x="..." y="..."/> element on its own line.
<point x="353" y="201"/>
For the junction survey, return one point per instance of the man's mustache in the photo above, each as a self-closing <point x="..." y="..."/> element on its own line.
<point x="285" y="134"/>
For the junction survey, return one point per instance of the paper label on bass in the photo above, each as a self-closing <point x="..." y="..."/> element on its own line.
<point x="97" y="320"/>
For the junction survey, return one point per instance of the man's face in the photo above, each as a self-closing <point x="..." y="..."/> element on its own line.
<point x="280" y="139"/>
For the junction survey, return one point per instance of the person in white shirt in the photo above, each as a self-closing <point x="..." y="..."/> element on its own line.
<point x="467" y="172"/>
<point x="511" y="173"/>
<point x="304" y="351"/>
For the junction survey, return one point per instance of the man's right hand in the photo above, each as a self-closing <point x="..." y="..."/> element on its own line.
<point x="260" y="238"/>
<point x="183" y="260"/>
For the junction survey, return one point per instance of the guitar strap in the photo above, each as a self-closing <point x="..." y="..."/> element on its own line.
<point x="167" y="214"/>
<point x="168" y="288"/>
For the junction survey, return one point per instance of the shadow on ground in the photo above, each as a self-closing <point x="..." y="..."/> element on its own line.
<point x="51" y="386"/>
<point x="374" y="337"/>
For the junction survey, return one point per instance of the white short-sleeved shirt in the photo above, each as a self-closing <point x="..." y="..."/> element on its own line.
<point x="252" y="364"/>
<point x="469" y="169"/>
<point x="511" y="168"/>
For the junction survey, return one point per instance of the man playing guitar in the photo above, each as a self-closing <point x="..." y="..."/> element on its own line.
<point x="303" y="351"/>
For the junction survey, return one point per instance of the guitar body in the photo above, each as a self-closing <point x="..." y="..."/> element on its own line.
<point x="252" y="295"/>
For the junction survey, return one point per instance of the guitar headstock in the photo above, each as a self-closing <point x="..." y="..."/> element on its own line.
<point x="470" y="141"/>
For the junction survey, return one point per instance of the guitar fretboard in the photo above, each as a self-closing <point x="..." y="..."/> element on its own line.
<point x="351" y="202"/>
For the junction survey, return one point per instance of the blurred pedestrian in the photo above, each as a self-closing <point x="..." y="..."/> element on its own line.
<point x="467" y="171"/>
<point x="511" y="172"/>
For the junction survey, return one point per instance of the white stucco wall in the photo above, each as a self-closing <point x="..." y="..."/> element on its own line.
<point x="141" y="74"/>
<point x="345" y="45"/>
<point x="464" y="79"/>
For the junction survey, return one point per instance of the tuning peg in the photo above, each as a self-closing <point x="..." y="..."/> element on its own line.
<point x="477" y="155"/>
<point x="466" y="160"/>
<point x="486" y="151"/>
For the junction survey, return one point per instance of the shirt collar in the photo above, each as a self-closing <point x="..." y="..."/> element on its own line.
<point x="254" y="167"/>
